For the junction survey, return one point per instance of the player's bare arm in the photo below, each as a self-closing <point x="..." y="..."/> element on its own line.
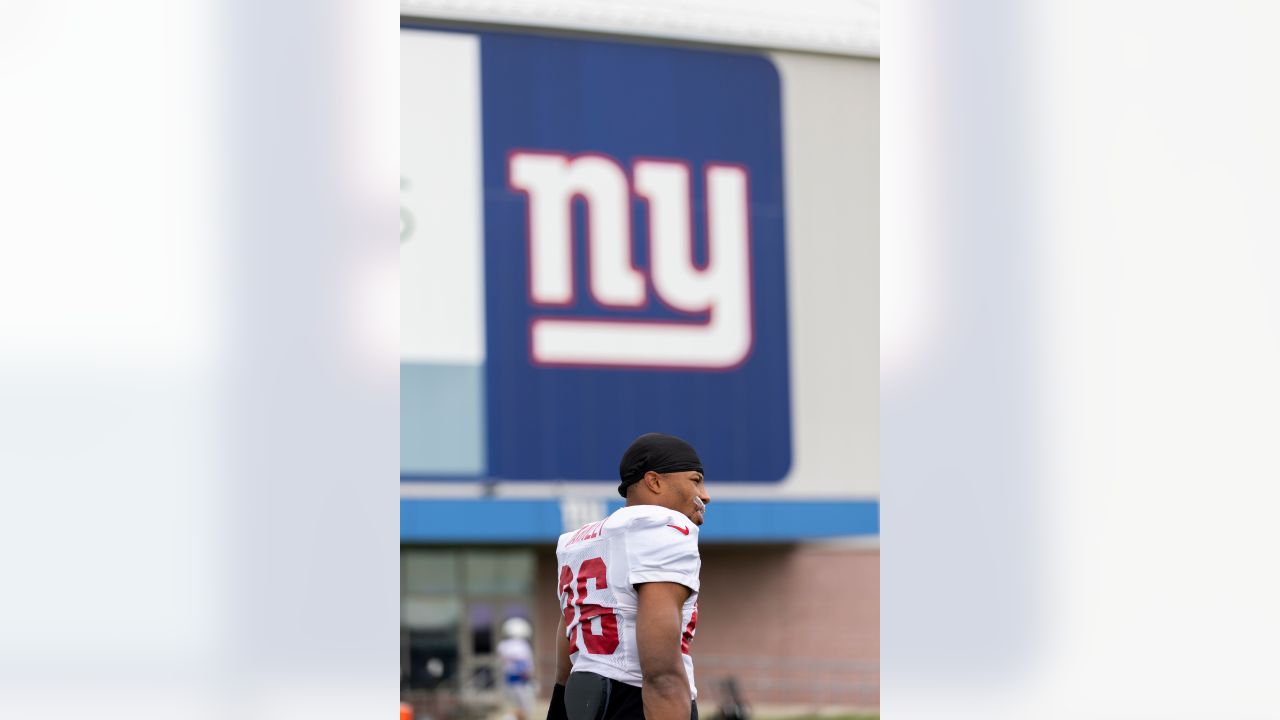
<point x="658" y="618"/>
<point x="556" y="710"/>
<point x="564" y="661"/>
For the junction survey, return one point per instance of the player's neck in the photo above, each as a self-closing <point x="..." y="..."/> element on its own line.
<point x="649" y="500"/>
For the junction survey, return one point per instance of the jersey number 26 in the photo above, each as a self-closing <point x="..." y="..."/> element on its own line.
<point x="606" y="641"/>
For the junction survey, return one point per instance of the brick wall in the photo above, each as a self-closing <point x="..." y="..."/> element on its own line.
<point x="794" y="624"/>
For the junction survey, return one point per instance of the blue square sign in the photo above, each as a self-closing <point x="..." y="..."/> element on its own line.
<point x="634" y="257"/>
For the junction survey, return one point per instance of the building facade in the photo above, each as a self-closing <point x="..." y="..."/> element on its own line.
<point x="604" y="236"/>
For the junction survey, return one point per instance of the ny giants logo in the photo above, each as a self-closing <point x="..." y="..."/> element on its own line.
<point x="718" y="333"/>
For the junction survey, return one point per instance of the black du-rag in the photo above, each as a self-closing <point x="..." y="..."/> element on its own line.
<point x="659" y="453"/>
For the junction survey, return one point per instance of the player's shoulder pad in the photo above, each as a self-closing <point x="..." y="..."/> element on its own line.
<point x="662" y="546"/>
<point x="643" y="517"/>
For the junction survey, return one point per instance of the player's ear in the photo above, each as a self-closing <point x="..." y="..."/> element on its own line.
<point x="653" y="481"/>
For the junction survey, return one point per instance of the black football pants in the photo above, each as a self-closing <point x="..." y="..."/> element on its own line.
<point x="588" y="696"/>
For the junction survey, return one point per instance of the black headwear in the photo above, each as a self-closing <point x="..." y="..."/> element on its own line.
<point x="659" y="453"/>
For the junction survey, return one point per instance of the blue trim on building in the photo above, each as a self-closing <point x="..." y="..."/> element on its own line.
<point x="729" y="521"/>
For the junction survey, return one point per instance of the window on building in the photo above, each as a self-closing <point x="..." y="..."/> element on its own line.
<point x="452" y="606"/>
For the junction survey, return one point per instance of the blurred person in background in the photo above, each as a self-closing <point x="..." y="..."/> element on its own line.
<point x="628" y="589"/>
<point x="516" y="655"/>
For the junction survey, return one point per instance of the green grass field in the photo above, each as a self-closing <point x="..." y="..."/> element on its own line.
<point x="823" y="717"/>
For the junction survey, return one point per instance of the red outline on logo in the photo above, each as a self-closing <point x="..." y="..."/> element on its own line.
<point x="568" y="159"/>
<point x="751" y="243"/>
<point x="685" y="367"/>
<point x="528" y="232"/>
<point x="703" y="316"/>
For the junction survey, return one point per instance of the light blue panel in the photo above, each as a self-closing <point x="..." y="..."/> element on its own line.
<point x="442" y="422"/>
<point x="728" y="521"/>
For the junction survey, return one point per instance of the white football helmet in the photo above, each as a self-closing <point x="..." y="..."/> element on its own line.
<point x="517" y="627"/>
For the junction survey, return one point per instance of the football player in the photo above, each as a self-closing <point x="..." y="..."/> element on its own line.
<point x="628" y="588"/>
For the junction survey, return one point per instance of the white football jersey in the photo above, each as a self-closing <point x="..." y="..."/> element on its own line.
<point x="599" y="566"/>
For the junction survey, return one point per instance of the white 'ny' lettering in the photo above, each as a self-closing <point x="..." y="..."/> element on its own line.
<point x="721" y="290"/>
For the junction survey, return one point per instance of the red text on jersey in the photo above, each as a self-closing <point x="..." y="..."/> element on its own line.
<point x="604" y="642"/>
<point x="688" y="630"/>
<point x="586" y="532"/>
